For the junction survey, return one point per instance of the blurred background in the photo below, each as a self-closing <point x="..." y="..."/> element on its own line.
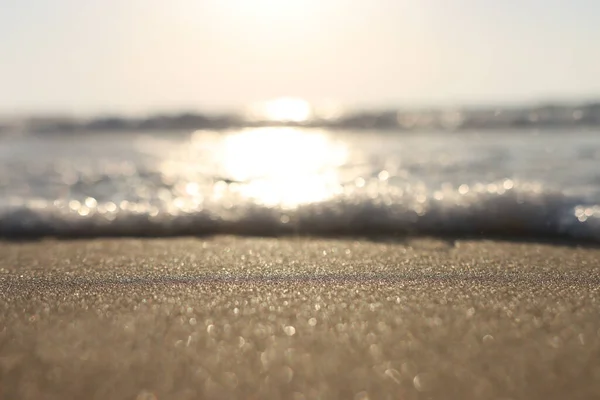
<point x="266" y="115"/>
<point x="141" y="57"/>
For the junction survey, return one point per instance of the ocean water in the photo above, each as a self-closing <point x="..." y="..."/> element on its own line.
<point x="270" y="181"/>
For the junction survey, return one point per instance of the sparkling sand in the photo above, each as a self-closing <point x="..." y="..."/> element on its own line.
<point x="293" y="318"/>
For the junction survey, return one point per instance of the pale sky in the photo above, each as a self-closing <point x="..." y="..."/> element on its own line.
<point x="131" y="56"/>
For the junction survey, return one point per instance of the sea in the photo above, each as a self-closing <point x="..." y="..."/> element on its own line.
<point x="524" y="184"/>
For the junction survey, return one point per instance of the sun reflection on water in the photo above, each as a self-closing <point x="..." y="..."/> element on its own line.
<point x="283" y="166"/>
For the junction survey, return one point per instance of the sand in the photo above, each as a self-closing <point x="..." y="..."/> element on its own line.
<point x="267" y="318"/>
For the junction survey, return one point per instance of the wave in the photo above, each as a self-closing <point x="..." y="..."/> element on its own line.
<point x="498" y="209"/>
<point x="272" y="181"/>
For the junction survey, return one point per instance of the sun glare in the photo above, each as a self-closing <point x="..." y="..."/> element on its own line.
<point x="273" y="8"/>
<point x="274" y="166"/>
<point x="283" y="166"/>
<point x="285" y="109"/>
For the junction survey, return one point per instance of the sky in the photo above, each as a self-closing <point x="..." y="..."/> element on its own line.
<point x="141" y="56"/>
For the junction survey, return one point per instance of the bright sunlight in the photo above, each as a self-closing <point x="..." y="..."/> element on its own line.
<point x="285" y="109"/>
<point x="284" y="166"/>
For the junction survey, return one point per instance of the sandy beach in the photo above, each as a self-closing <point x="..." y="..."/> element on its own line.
<point x="298" y="318"/>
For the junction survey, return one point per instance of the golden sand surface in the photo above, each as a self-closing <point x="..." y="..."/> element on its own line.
<point x="298" y="318"/>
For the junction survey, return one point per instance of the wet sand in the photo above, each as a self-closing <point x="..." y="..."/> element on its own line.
<point x="266" y="318"/>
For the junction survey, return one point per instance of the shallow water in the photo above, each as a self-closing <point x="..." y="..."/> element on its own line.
<point x="527" y="184"/>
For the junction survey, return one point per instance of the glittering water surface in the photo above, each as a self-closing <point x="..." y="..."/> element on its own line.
<point x="291" y="180"/>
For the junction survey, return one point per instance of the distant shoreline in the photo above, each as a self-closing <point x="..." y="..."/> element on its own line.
<point x="585" y="115"/>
